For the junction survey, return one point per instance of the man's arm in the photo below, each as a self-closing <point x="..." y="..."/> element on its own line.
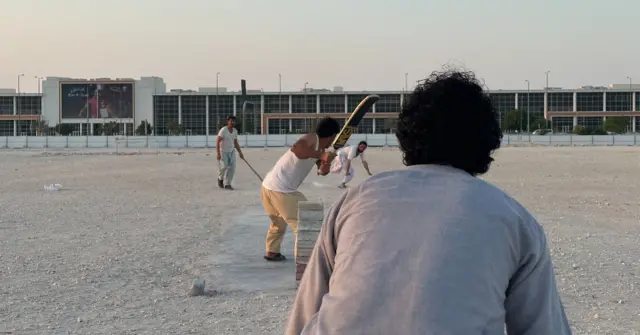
<point x="366" y="166"/>
<point x="348" y="166"/>
<point x="237" y="145"/>
<point x="315" y="280"/>
<point x="304" y="148"/>
<point x="218" y="142"/>
<point x="533" y="305"/>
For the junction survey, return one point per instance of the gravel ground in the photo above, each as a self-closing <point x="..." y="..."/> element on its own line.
<point x="117" y="249"/>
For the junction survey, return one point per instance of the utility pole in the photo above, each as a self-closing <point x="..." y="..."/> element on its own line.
<point x="528" y="101"/>
<point x="305" y="96"/>
<point x="19" y="126"/>
<point x="217" y="104"/>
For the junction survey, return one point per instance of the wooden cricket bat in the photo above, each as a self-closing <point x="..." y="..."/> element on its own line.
<point x="352" y="123"/>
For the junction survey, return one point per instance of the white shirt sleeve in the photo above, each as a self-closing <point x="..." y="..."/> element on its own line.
<point x="221" y="132"/>
<point x="352" y="153"/>
<point x="235" y="134"/>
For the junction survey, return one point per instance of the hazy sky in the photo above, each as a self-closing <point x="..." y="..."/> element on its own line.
<point x="357" y="44"/>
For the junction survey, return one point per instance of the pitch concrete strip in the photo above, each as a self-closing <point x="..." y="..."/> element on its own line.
<point x="239" y="265"/>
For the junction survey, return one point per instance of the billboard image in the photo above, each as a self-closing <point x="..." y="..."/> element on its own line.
<point x="95" y="100"/>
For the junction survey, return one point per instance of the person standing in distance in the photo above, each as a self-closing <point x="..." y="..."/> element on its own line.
<point x="345" y="158"/>
<point x="432" y="248"/>
<point x="226" y="145"/>
<point x="280" y="195"/>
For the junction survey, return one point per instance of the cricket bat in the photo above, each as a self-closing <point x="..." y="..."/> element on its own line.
<point x="352" y="123"/>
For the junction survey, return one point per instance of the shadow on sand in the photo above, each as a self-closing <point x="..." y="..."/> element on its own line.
<point x="240" y="267"/>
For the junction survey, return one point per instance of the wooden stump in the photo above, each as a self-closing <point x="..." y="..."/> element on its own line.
<point x="310" y="217"/>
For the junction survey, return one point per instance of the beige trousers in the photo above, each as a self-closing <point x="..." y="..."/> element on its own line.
<point x="282" y="209"/>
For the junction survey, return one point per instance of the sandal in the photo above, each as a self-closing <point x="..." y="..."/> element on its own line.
<point x="275" y="257"/>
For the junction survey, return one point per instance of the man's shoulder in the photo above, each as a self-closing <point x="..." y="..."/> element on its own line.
<point x="479" y="190"/>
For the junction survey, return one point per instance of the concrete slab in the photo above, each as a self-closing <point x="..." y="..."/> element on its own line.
<point x="239" y="266"/>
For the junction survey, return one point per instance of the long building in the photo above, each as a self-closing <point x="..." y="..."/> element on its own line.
<point x="128" y="102"/>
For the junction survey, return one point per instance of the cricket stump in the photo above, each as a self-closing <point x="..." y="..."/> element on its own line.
<point x="310" y="217"/>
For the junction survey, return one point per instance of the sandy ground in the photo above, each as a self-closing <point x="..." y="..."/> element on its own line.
<point x="117" y="249"/>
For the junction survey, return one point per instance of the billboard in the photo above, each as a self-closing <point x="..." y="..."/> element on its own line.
<point x="96" y="100"/>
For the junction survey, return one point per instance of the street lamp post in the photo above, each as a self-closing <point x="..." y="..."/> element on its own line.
<point x="19" y="125"/>
<point x="305" y="96"/>
<point x="406" y="82"/>
<point x="279" y="93"/>
<point x="528" y="100"/>
<point x="217" y="103"/>
<point x="546" y="90"/>
<point x="279" y="102"/>
<point x="631" y="118"/>
<point x="38" y="130"/>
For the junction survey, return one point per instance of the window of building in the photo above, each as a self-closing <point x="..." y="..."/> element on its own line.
<point x="194" y="114"/>
<point x="220" y="107"/>
<point x="304" y="103"/>
<point x="278" y="126"/>
<point x="353" y="100"/>
<point x="560" y="102"/>
<point x="331" y="103"/>
<point x="386" y="126"/>
<point x="165" y="110"/>
<point x="365" y="126"/>
<point x="276" y="103"/>
<point x="6" y="107"/>
<point x="591" y="122"/>
<point x="27" y="105"/>
<point x="6" y="128"/>
<point x="249" y="121"/>
<point x="589" y="101"/>
<point x="562" y="124"/>
<point x="502" y="104"/>
<point x="619" y="101"/>
<point x="534" y="103"/>
<point x="388" y="103"/>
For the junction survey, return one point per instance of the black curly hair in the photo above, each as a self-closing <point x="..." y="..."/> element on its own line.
<point x="449" y="120"/>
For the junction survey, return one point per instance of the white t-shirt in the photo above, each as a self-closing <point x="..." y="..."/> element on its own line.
<point x="228" y="138"/>
<point x="289" y="172"/>
<point x="349" y="152"/>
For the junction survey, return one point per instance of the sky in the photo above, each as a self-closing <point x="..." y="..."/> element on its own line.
<point x="356" y="44"/>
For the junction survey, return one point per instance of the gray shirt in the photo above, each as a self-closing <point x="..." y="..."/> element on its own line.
<point x="428" y="250"/>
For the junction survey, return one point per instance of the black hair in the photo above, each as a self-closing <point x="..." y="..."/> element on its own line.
<point x="358" y="147"/>
<point x="231" y="117"/>
<point x="449" y="120"/>
<point x="327" y="127"/>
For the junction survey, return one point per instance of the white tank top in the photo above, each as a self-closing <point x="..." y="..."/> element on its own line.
<point x="289" y="172"/>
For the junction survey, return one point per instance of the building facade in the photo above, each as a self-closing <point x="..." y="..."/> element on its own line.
<point x="86" y="105"/>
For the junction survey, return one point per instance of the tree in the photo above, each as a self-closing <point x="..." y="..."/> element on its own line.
<point x="616" y="124"/>
<point x="512" y="121"/>
<point x="538" y="123"/>
<point x="581" y="130"/>
<point x="174" y="128"/>
<point x="598" y="131"/>
<point x="41" y="127"/>
<point x="144" y="128"/>
<point x="111" y="128"/>
<point x="63" y="129"/>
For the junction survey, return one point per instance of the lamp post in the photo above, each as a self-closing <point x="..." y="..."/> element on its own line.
<point x="631" y="118"/>
<point x="546" y="90"/>
<point x="217" y="102"/>
<point x="528" y="101"/>
<point x="38" y="130"/>
<point x="279" y="93"/>
<point x="406" y="82"/>
<point x="19" y="125"/>
<point x="305" y="96"/>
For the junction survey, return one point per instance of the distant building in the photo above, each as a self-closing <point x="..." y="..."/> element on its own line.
<point x="129" y="101"/>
